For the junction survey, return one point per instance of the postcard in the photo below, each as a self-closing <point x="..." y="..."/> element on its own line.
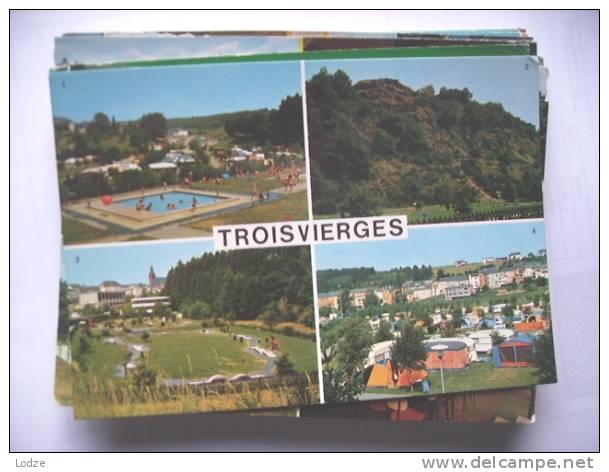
<point x="425" y="173"/>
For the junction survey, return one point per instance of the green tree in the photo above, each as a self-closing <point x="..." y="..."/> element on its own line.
<point x="153" y="125"/>
<point x="84" y="346"/>
<point x="345" y="301"/>
<point x="544" y="359"/>
<point x="371" y="300"/>
<point x="271" y="315"/>
<point x="384" y="332"/>
<point x="283" y="365"/>
<point x="200" y="311"/>
<point x="345" y="352"/>
<point x="63" y="327"/>
<point x="408" y="351"/>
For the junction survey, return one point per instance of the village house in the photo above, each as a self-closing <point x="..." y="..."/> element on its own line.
<point x="474" y="281"/>
<point x="458" y="291"/>
<point x="329" y="299"/>
<point x="490" y="277"/>
<point x="440" y="286"/>
<point x="178" y="157"/>
<point x="359" y="297"/>
<point x="515" y="256"/>
<point x="389" y="296"/>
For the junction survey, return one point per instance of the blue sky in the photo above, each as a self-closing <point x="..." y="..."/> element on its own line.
<point x="512" y="81"/>
<point x="97" y="48"/>
<point x="176" y="91"/>
<point x="437" y="245"/>
<point x="127" y="264"/>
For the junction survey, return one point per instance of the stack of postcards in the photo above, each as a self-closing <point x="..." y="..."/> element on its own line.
<point x="308" y="224"/>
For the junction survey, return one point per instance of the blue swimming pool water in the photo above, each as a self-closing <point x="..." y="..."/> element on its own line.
<point x="181" y="200"/>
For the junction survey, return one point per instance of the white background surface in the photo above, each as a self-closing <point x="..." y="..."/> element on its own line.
<point x="567" y="413"/>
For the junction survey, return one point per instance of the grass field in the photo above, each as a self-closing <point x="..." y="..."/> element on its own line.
<point x="478" y="376"/>
<point x="103" y="358"/>
<point x="440" y="211"/>
<point x="76" y="232"/>
<point x="105" y="399"/>
<point x="302" y="352"/>
<point x="190" y="354"/>
<point x="263" y="183"/>
<point x="291" y="207"/>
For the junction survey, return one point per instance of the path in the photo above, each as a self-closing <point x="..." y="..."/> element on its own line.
<point x="135" y="353"/>
<point x="270" y="362"/>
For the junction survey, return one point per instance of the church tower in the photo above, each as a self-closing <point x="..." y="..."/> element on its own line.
<point x="151" y="277"/>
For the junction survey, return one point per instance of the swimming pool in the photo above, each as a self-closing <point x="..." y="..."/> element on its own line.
<point x="159" y="202"/>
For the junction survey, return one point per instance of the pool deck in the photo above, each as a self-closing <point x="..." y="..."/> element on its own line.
<point x="132" y="220"/>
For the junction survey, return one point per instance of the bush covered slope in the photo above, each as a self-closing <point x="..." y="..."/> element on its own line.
<point x="379" y="144"/>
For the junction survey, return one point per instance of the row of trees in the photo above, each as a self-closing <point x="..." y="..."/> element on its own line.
<point x="281" y="126"/>
<point x="108" y="139"/>
<point x="380" y="144"/>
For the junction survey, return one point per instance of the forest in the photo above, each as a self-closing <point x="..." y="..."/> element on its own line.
<point x="378" y="144"/>
<point x="274" y="285"/>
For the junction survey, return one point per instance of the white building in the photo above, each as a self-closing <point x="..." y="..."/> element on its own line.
<point x="148" y="303"/>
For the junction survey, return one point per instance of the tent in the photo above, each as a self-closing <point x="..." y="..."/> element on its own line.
<point x="486" y="323"/>
<point x="517" y="352"/>
<point x="530" y="326"/>
<point x="470" y="343"/>
<point x="408" y="378"/>
<point x="381" y="375"/>
<point x="456" y="356"/>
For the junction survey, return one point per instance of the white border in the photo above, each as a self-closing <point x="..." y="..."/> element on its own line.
<point x="305" y="126"/>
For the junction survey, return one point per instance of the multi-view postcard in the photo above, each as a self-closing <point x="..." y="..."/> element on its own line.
<point x="424" y="173"/>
